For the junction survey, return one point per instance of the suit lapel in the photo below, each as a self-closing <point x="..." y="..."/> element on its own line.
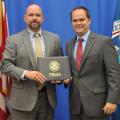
<point x="88" y="48"/>
<point x="29" y="50"/>
<point x="89" y="45"/>
<point x="73" y="62"/>
<point x="46" y="42"/>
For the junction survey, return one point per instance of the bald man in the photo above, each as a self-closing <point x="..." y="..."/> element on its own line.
<point x="31" y="97"/>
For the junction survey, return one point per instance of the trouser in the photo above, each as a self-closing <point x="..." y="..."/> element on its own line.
<point x="83" y="116"/>
<point x="41" y="111"/>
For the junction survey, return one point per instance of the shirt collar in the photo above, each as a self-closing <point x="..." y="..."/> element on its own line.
<point x="85" y="37"/>
<point x="32" y="33"/>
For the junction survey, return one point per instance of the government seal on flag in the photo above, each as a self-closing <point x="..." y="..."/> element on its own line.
<point x="116" y="37"/>
<point x="116" y="30"/>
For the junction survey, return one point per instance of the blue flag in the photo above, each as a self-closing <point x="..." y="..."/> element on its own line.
<point x="116" y="30"/>
<point x="116" y="41"/>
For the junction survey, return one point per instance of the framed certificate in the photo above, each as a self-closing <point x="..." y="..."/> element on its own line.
<point x="54" y="68"/>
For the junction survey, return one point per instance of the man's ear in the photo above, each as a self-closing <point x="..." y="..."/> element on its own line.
<point x="43" y="18"/>
<point x="89" y="21"/>
<point x="24" y="17"/>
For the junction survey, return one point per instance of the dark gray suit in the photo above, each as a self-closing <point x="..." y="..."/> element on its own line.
<point x="98" y="80"/>
<point x="19" y="56"/>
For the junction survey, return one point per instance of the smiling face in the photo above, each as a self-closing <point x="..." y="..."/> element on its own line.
<point x="34" y="17"/>
<point x="80" y="21"/>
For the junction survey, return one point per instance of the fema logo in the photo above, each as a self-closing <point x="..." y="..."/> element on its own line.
<point x="54" y="66"/>
<point x="116" y="37"/>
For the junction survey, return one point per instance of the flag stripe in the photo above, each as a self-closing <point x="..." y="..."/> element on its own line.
<point x="0" y="22"/>
<point x="2" y="102"/>
<point x="4" y="111"/>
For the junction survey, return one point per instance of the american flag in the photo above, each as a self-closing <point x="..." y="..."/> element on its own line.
<point x="5" y="83"/>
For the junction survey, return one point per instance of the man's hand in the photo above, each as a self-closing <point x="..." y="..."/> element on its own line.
<point x="66" y="82"/>
<point x="109" y="108"/>
<point x="56" y="81"/>
<point x="35" y="75"/>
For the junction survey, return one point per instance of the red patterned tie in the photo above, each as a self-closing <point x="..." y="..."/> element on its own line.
<point x="79" y="53"/>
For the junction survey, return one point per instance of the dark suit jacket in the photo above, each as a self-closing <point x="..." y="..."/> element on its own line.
<point x="19" y="56"/>
<point x="98" y="80"/>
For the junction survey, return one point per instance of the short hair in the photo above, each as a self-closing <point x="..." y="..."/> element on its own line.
<point x="31" y="5"/>
<point x="78" y="8"/>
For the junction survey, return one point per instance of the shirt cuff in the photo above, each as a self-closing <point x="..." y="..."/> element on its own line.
<point x="23" y="75"/>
